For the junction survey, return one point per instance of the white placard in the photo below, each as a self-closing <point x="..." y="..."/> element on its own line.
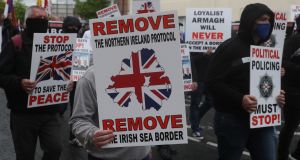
<point x="81" y="58"/>
<point x="279" y="31"/>
<point x="207" y="28"/>
<point x="265" y="85"/>
<point x="138" y="75"/>
<point x="186" y="67"/>
<point x="145" y="6"/>
<point x="295" y="10"/>
<point x="111" y="11"/>
<point x="51" y="66"/>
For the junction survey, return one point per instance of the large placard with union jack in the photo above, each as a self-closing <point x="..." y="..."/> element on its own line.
<point x="51" y="66"/>
<point x="138" y="75"/>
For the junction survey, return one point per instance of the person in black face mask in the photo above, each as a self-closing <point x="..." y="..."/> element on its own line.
<point x="36" y="25"/>
<point x="71" y="25"/>
<point x="28" y="124"/>
<point x="227" y="81"/>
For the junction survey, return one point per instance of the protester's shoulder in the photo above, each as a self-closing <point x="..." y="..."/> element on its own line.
<point x="226" y="45"/>
<point x="89" y="75"/>
<point x="294" y="38"/>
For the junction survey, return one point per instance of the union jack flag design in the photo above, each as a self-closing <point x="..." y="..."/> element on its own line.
<point x="146" y="7"/>
<point x="57" y="67"/>
<point x="143" y="76"/>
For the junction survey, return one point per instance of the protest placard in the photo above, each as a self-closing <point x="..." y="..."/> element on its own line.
<point x="295" y="11"/>
<point x="111" y="11"/>
<point x="81" y="58"/>
<point x="145" y="6"/>
<point x="279" y="31"/>
<point x="207" y="28"/>
<point x="51" y="66"/>
<point x="55" y="26"/>
<point x="138" y="75"/>
<point x="265" y="85"/>
<point x="186" y="67"/>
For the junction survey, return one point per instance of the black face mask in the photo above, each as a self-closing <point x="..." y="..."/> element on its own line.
<point x="35" y="25"/>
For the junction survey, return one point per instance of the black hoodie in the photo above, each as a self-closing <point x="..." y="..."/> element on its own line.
<point x="228" y="76"/>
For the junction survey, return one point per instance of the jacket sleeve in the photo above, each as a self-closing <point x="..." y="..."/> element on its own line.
<point x="193" y="57"/>
<point x="82" y="121"/>
<point x="290" y="47"/>
<point x="218" y="75"/>
<point x="8" y="79"/>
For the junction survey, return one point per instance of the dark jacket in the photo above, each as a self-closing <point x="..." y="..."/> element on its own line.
<point x="15" y="65"/>
<point x="228" y="76"/>
<point x="291" y="63"/>
<point x="199" y="64"/>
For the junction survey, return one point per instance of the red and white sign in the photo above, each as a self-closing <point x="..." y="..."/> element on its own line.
<point x="207" y="28"/>
<point x="81" y="58"/>
<point x="111" y="11"/>
<point x="51" y="67"/>
<point x="186" y="67"/>
<point x="265" y="85"/>
<point x="138" y="75"/>
<point x="279" y="31"/>
<point x="145" y="6"/>
<point x="55" y="26"/>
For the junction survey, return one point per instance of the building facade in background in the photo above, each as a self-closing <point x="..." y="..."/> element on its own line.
<point x="63" y="8"/>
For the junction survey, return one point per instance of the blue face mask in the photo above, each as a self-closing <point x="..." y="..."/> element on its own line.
<point x="263" y="30"/>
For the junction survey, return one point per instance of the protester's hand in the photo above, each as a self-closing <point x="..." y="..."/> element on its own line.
<point x="194" y="86"/>
<point x="102" y="137"/>
<point x="249" y="103"/>
<point x="282" y="72"/>
<point x="281" y="99"/>
<point x="70" y="86"/>
<point x="28" y="85"/>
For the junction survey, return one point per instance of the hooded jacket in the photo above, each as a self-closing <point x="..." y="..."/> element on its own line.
<point x="228" y="76"/>
<point x="291" y="63"/>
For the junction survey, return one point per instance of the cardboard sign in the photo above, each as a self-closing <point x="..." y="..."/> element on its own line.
<point x="138" y="75"/>
<point x="81" y="58"/>
<point x="145" y="6"/>
<point x="186" y="67"/>
<point x="111" y="11"/>
<point x="51" y="66"/>
<point x="265" y="84"/>
<point x="207" y="28"/>
<point x="55" y="26"/>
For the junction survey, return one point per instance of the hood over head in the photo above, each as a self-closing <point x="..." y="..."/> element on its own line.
<point x="247" y="22"/>
<point x="71" y="21"/>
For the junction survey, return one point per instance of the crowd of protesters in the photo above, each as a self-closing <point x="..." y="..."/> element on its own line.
<point x="218" y="81"/>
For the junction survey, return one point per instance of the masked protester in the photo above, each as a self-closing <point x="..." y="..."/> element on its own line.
<point x="72" y="25"/>
<point x="228" y="83"/>
<point x="28" y="124"/>
<point x="291" y="63"/>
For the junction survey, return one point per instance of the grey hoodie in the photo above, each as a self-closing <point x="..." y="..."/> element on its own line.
<point x="84" y="122"/>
